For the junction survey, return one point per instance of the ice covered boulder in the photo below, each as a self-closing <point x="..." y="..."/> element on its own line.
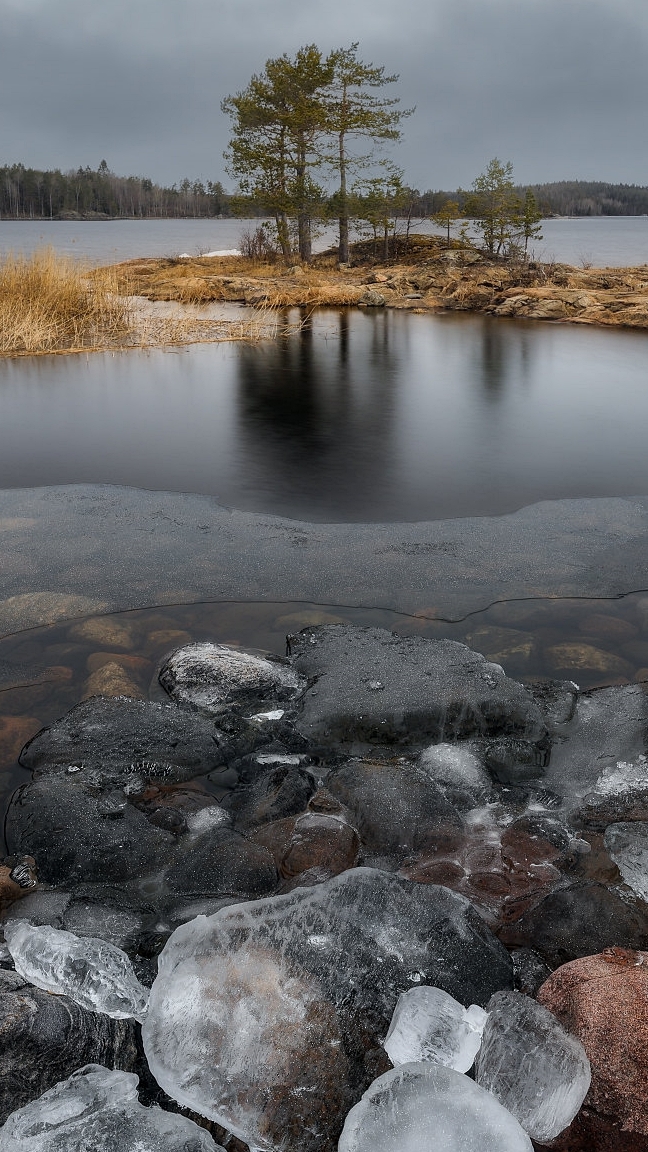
<point x="45" y="1038"/>
<point x="267" y="1016"/>
<point x="96" y="975"/>
<point x="373" y="686"/>
<point x="215" y="676"/>
<point x="536" y="1069"/>
<point x="97" y="1110"/>
<point x="579" y="920"/>
<point x="420" y="1107"/>
<point x="459" y="772"/>
<point x="428" y="1024"/>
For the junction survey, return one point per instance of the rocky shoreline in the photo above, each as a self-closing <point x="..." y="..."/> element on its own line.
<point x="431" y="277"/>
<point x="317" y="864"/>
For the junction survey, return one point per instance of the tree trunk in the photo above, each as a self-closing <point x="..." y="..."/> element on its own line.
<point x="283" y="236"/>
<point x="343" y="251"/>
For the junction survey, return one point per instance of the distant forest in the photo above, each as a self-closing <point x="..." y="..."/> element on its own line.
<point x="563" y="198"/>
<point x="31" y="194"/>
<point x="27" y="193"/>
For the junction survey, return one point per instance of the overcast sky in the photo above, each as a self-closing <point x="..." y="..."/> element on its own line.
<point x="559" y="87"/>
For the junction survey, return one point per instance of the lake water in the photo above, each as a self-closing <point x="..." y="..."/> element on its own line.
<point x="604" y="240"/>
<point x="360" y="416"/>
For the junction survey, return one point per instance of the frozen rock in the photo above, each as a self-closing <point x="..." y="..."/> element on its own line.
<point x="459" y="773"/>
<point x="98" y="1111"/>
<point x="536" y="1069"/>
<point x="93" y="973"/>
<point x="620" y="793"/>
<point x="118" y="926"/>
<point x="432" y="689"/>
<point x="279" y="792"/>
<point x="609" y="726"/>
<point x="428" y="1024"/>
<point x="627" y="844"/>
<point x="214" y="676"/>
<point x="264" y="1016"/>
<point x="120" y="737"/>
<point x="420" y="1107"/>
<point x="221" y="862"/>
<point x="45" y="1038"/>
<point x="397" y="809"/>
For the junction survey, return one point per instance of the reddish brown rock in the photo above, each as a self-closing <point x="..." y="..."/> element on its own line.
<point x="603" y="1000"/>
<point x="15" y="731"/>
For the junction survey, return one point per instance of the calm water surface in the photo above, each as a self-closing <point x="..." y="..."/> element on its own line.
<point x="603" y="240"/>
<point x="361" y="416"/>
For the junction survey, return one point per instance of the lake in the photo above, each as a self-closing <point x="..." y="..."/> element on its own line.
<point x="603" y="240"/>
<point x="359" y="416"/>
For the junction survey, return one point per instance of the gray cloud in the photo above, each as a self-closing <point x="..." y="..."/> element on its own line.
<point x="559" y="87"/>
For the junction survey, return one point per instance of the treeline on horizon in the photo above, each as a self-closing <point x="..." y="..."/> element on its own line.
<point x="32" y="194"/>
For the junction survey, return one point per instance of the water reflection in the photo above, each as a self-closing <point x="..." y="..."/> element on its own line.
<point x="317" y="414"/>
<point x="366" y="415"/>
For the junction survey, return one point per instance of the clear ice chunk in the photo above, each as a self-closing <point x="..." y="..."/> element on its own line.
<point x="419" y="1107"/>
<point x="627" y="843"/>
<point x="95" y="974"/>
<point x="96" y="1110"/>
<point x="532" y="1065"/>
<point x="260" y="1015"/>
<point x="429" y="1024"/>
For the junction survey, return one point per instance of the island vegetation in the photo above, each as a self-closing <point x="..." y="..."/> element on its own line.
<point x="309" y="145"/>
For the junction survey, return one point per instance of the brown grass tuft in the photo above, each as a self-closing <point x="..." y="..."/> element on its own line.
<point x="49" y="304"/>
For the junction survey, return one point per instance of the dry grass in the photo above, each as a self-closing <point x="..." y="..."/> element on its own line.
<point x="52" y="304"/>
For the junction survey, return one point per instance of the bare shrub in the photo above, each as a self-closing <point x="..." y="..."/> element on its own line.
<point x="257" y="244"/>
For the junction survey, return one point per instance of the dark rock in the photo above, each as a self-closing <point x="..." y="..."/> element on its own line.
<point x="222" y="863"/>
<point x="78" y="834"/>
<point x="513" y="762"/>
<point x="529" y="970"/>
<point x="373" y="686"/>
<point x="397" y="809"/>
<point x="557" y="700"/>
<point x="122" y="736"/>
<point x="45" y="1038"/>
<point x="282" y="791"/>
<point x="578" y="921"/>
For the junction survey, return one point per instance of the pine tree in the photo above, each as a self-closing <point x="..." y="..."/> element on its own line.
<point x="355" y="110"/>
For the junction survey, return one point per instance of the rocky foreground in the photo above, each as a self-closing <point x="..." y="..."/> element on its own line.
<point x="375" y="895"/>
<point x="431" y="277"/>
